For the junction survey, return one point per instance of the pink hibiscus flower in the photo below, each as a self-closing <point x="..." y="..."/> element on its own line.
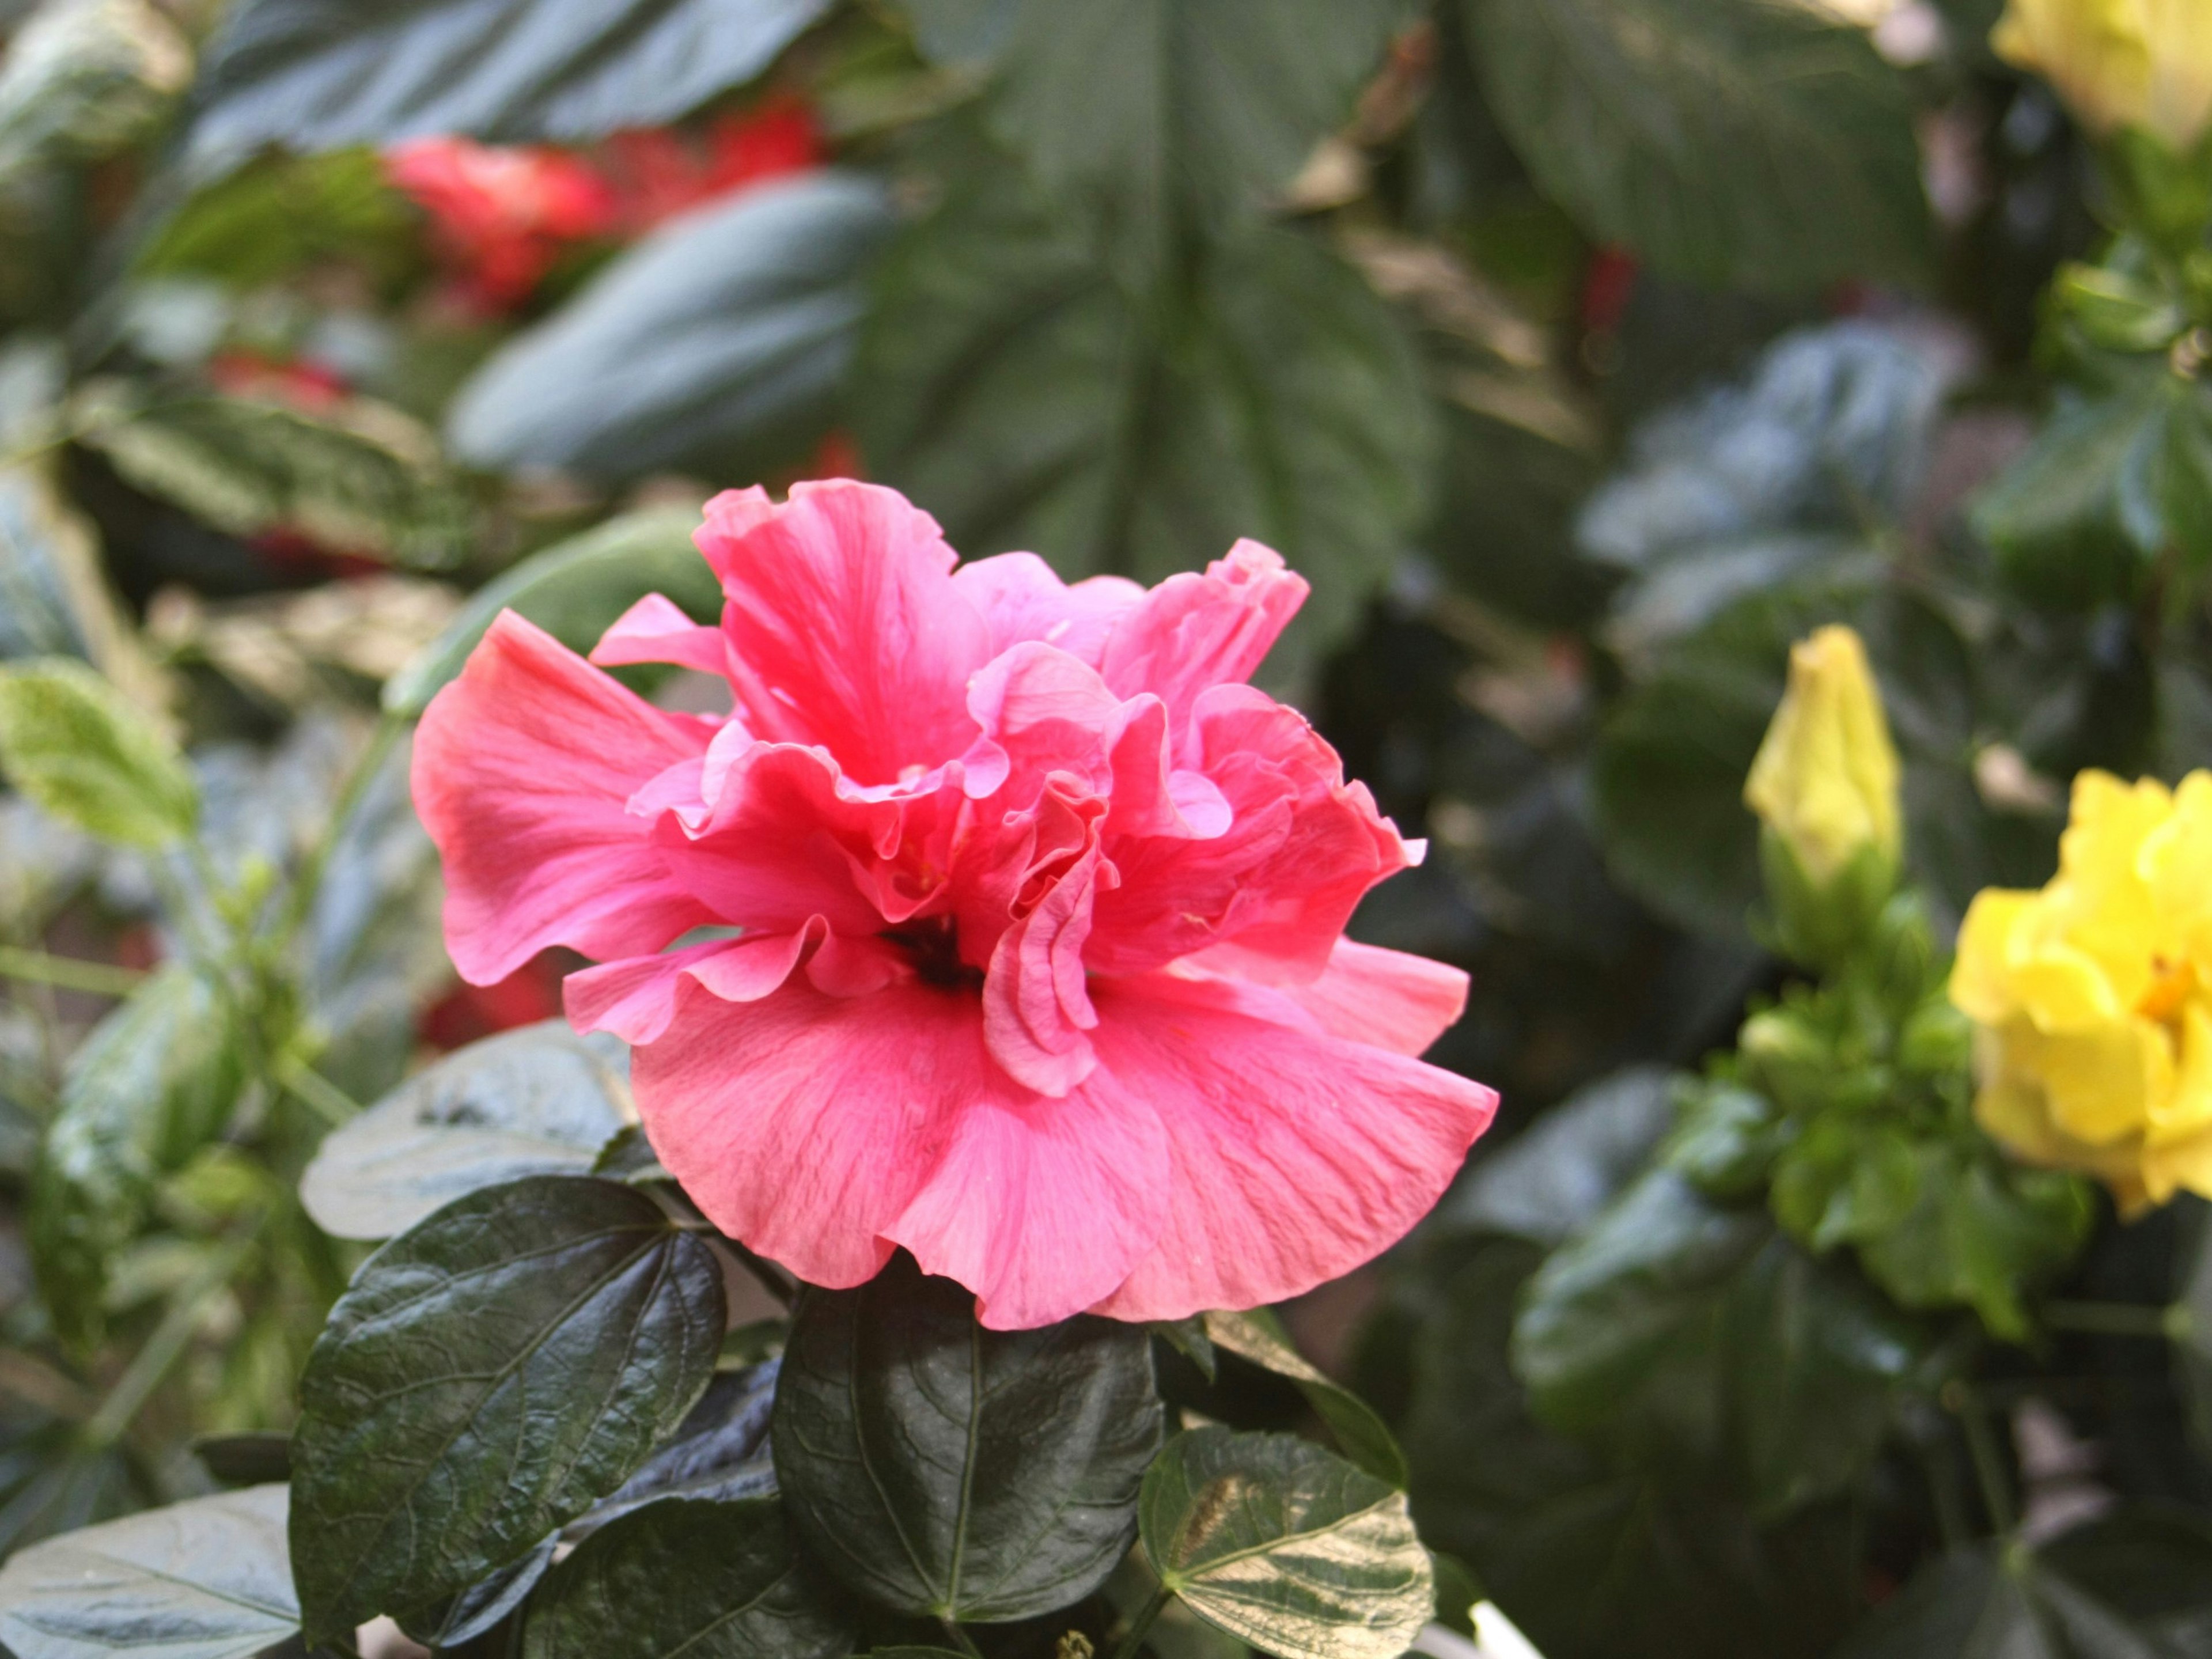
<point x="1008" y="919"/>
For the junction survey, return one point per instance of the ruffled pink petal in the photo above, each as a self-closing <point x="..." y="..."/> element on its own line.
<point x="1294" y="1158"/>
<point x="635" y="997"/>
<point x="1037" y="1003"/>
<point x="653" y="630"/>
<point x="523" y="769"/>
<point x="1195" y="631"/>
<point x="1301" y="849"/>
<point x="1366" y="995"/>
<point x="1042" y="711"/>
<point x="1023" y="599"/>
<point x="845" y="628"/>
<point x="823" y="1131"/>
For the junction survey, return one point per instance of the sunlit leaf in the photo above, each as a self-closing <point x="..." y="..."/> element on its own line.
<point x="72" y="743"/>
<point x="1259" y="1336"/>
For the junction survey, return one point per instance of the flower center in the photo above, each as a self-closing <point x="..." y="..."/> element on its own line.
<point x="935" y="946"/>
<point x="2174" y="984"/>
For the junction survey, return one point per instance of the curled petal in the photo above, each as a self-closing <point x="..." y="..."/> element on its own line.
<point x="844" y="630"/>
<point x="1195" y="631"/>
<point x="635" y="997"/>
<point x="1022" y="599"/>
<point x="524" y="768"/>
<point x="1294" y="1156"/>
<point x="653" y="630"/>
<point x="1036" y="1005"/>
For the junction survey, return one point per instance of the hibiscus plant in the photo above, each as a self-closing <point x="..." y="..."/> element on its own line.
<point x="774" y="769"/>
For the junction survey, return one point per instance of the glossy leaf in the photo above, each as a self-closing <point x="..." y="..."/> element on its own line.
<point x="719" y="343"/>
<point x="359" y="477"/>
<point x="1286" y="1546"/>
<point x="720" y="1581"/>
<point x="537" y="1101"/>
<point x="487" y="1377"/>
<point x="1174" y="117"/>
<point x="574" y="590"/>
<point x="318" y="74"/>
<point x="1728" y="142"/>
<point x="1259" y="1336"/>
<point x="72" y="743"/>
<point x="156" y="1080"/>
<point x="207" y="1579"/>
<point x="455" y="1621"/>
<point x="1021" y="397"/>
<point x="721" y="1454"/>
<point x="948" y="1470"/>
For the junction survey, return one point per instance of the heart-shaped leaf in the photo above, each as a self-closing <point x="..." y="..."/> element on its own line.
<point x="487" y="1377"/>
<point x="1286" y="1546"/>
<point x="948" y="1470"/>
<point x="1259" y="1336"/>
<point x="711" y="1580"/>
<point x="204" y="1580"/>
<point x="537" y="1101"/>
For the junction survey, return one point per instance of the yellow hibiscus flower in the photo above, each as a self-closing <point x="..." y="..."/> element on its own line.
<point x="2094" y="996"/>
<point x="2143" y="63"/>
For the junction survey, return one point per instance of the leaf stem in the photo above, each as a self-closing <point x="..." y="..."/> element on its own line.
<point x="959" y="1637"/>
<point x="1989" y="1472"/>
<point x="68" y="973"/>
<point x="2110" y="1318"/>
<point x="151" y="1364"/>
<point x="1141" y="1626"/>
<point x="323" y="1098"/>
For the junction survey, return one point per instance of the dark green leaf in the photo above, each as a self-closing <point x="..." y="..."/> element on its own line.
<point x="72" y="743"/>
<point x="1259" y="1336"/>
<point x="721" y="1454"/>
<point x="720" y="1581"/>
<point x="1286" y="1546"/>
<point x="360" y="478"/>
<point x="574" y="590"/>
<point x="487" y="1377"/>
<point x="155" y="1081"/>
<point x="720" y="343"/>
<point x="1567" y="1165"/>
<point x="1017" y="393"/>
<point x="320" y="75"/>
<point x="246" y="1460"/>
<point x="538" y="1101"/>
<point x="1995" y="1603"/>
<point x="1173" y="117"/>
<point x="1743" y="142"/>
<point x="455" y="1621"/>
<point x="950" y="1470"/>
<point x="204" y="1580"/>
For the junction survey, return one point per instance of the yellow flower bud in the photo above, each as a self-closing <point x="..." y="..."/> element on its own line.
<point x="2118" y="63"/>
<point x="2092" y="997"/>
<point x="1826" y="779"/>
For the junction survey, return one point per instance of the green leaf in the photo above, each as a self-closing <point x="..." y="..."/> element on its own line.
<point x="487" y="1377"/>
<point x="2073" y="516"/>
<point x="945" y="1469"/>
<point x="84" y="79"/>
<point x="1259" y="1336"/>
<point x="1286" y="1546"/>
<point x="1981" y="1232"/>
<point x="718" y="344"/>
<point x="53" y="597"/>
<point x="1991" y="1602"/>
<point x="1172" y="116"/>
<point x="72" y="743"/>
<point x="1022" y="397"/>
<point x="361" y="477"/>
<point x="278" y="215"/>
<point x="1689" y="1338"/>
<point x="538" y="1101"/>
<point x="1748" y="143"/>
<point x="204" y="1580"/>
<point x="574" y="590"/>
<point x="720" y="1581"/>
<point x="1568" y="1164"/>
<point x="156" y="1080"/>
<point x="320" y="74"/>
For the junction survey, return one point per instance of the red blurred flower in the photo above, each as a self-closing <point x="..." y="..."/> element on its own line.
<point x="469" y="1013"/>
<point x="657" y="174"/>
<point x="500" y="216"/>
<point x="1008" y="919"/>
